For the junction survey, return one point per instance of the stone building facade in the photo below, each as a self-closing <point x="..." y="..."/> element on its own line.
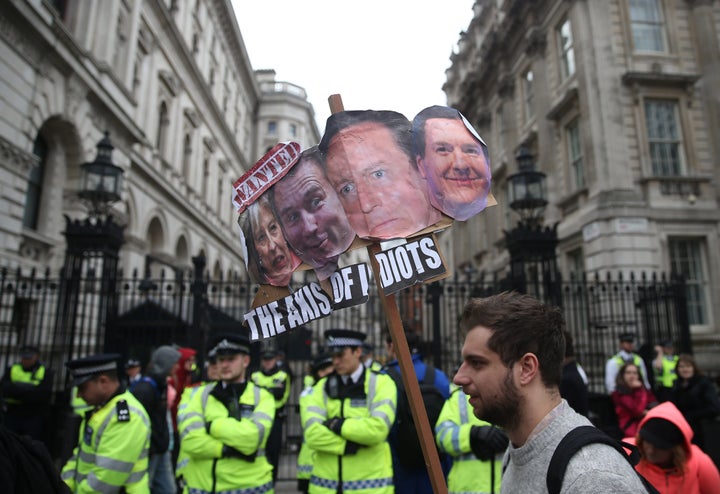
<point x="172" y="83"/>
<point x="618" y="102"/>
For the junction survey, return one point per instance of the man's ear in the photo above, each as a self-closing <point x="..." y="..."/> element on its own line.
<point x="420" y="166"/>
<point x="529" y="367"/>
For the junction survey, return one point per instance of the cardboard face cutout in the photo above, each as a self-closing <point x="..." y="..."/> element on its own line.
<point x="374" y="176"/>
<point x="268" y="257"/>
<point x="311" y="215"/>
<point x="454" y="160"/>
<point x="371" y="165"/>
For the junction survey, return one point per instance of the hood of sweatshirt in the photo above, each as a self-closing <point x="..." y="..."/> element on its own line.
<point x="670" y="412"/>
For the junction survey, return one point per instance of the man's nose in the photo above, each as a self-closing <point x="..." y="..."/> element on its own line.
<point x="368" y="196"/>
<point x="309" y="223"/>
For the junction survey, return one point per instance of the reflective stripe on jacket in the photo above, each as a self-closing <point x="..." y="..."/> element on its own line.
<point x="367" y="422"/>
<point x="468" y="475"/>
<point x="306" y="457"/>
<point x="111" y="453"/>
<point x="206" y="470"/>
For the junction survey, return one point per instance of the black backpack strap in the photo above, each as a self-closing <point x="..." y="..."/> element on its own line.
<point x="571" y="444"/>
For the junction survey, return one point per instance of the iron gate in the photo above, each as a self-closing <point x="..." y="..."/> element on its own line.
<point x="188" y="307"/>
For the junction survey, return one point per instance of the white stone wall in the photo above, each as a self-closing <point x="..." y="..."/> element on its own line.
<point x="621" y="219"/>
<point x="106" y="65"/>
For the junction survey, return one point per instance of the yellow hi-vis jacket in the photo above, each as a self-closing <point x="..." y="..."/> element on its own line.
<point x="277" y="383"/>
<point x="33" y="377"/>
<point x="306" y="456"/>
<point x="468" y="475"/>
<point x="182" y="415"/>
<point x="206" y="427"/>
<point x="368" y="415"/>
<point x="667" y="377"/>
<point x="112" y="450"/>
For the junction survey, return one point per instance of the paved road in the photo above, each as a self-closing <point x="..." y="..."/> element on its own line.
<point x="286" y="487"/>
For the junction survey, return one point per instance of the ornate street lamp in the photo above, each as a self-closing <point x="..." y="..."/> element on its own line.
<point x="533" y="264"/>
<point x="527" y="191"/>
<point x="92" y="246"/>
<point x="101" y="179"/>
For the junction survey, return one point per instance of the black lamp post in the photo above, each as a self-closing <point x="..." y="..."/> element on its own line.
<point x="527" y="192"/>
<point x="101" y="179"/>
<point x="88" y="298"/>
<point x="533" y="263"/>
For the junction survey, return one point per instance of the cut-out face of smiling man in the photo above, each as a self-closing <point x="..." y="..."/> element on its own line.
<point x="454" y="161"/>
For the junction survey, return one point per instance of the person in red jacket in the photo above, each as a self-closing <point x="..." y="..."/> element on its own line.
<point x="631" y="398"/>
<point x="669" y="461"/>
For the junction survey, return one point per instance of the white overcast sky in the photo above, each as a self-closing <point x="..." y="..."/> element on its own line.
<point x="377" y="54"/>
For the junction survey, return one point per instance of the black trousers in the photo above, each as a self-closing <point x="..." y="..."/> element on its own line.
<point x="274" y="444"/>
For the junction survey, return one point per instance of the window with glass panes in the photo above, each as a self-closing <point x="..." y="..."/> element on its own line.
<point x="34" y="187"/>
<point x="686" y="258"/>
<point x="648" y="25"/>
<point x="575" y="155"/>
<point x="567" y="53"/>
<point x="664" y="137"/>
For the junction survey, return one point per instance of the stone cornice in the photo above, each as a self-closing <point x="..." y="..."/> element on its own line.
<point x="563" y="104"/>
<point x="18" y="159"/>
<point x="659" y="79"/>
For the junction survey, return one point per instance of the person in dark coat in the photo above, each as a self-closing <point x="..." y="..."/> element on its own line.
<point x="695" y="396"/>
<point x="151" y="391"/>
<point x="573" y="385"/>
<point x="26" y="466"/>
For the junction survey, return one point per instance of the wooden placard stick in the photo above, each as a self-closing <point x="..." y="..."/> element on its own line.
<point x="407" y="370"/>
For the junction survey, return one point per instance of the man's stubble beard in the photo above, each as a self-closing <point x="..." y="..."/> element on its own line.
<point x="505" y="411"/>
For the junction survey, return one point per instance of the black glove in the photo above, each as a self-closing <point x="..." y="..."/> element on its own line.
<point x="487" y="441"/>
<point x="334" y="424"/>
<point x="230" y="452"/>
<point x="351" y="447"/>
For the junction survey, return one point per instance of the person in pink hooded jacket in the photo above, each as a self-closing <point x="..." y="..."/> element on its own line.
<point x="668" y="459"/>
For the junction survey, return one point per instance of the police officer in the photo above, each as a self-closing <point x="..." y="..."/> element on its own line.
<point x="212" y="375"/>
<point x="277" y="382"/>
<point x="112" y="451"/>
<point x="27" y="390"/>
<point x="475" y="446"/>
<point x="664" y="365"/>
<point x="225" y="427"/>
<point x="321" y="367"/>
<point x="347" y="420"/>
<point x="133" y="372"/>
<point x="625" y="355"/>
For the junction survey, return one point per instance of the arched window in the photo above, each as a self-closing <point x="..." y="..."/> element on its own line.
<point x="34" y="190"/>
<point x="163" y="122"/>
